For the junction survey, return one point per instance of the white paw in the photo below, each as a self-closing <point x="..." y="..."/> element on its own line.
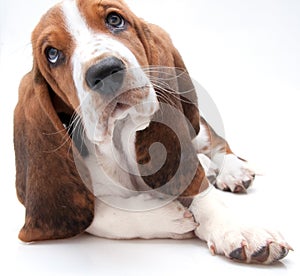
<point x="225" y="235"/>
<point x="177" y="222"/>
<point x="249" y="244"/>
<point x="235" y="175"/>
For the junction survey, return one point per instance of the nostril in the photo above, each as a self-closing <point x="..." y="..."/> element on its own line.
<point x="97" y="82"/>
<point x="107" y="76"/>
<point x="114" y="72"/>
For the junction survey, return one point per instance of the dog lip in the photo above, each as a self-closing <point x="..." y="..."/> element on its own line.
<point x="119" y="108"/>
<point x="126" y="100"/>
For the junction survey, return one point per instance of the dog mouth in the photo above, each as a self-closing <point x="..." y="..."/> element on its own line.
<point x="131" y="108"/>
<point x="133" y="105"/>
<point x="120" y="109"/>
<point x="122" y="104"/>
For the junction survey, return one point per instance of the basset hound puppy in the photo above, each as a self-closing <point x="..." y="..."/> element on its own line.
<point x="108" y="139"/>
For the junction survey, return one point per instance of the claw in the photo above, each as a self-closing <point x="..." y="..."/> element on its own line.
<point x="225" y="187"/>
<point x="212" y="249"/>
<point x="287" y="246"/>
<point x="245" y="244"/>
<point x="187" y="214"/>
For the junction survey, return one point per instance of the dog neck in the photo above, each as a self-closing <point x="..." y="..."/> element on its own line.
<point x="112" y="163"/>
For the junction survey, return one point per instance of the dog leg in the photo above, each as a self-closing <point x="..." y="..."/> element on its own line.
<point x="224" y="169"/>
<point x="170" y="221"/>
<point x="225" y="234"/>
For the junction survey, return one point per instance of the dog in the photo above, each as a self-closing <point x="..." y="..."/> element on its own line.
<point x="109" y="139"/>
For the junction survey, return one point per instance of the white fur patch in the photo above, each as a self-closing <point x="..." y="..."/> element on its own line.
<point x="228" y="235"/>
<point x="202" y="141"/>
<point x="170" y="221"/>
<point x="233" y="173"/>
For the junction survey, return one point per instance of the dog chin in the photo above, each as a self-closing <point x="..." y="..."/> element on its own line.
<point x="125" y="114"/>
<point x="122" y="118"/>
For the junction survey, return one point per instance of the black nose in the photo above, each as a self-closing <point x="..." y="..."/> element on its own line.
<point x="106" y="77"/>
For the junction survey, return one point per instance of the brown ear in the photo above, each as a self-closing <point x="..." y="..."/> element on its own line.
<point x="58" y="205"/>
<point x="182" y="168"/>
<point x="161" y="52"/>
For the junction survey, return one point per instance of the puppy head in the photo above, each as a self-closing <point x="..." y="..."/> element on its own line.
<point x="92" y="54"/>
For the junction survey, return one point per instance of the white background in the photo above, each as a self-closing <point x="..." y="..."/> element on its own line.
<point x="247" y="56"/>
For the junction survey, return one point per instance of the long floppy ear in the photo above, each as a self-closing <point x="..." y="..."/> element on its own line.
<point x="182" y="169"/>
<point x="161" y="52"/>
<point x="58" y="205"/>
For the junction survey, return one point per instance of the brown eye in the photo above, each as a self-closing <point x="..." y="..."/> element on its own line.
<point x="115" y="21"/>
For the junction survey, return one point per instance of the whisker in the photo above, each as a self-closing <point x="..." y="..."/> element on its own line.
<point x="168" y="74"/>
<point x="68" y="131"/>
<point x="174" y="94"/>
<point x="164" y="91"/>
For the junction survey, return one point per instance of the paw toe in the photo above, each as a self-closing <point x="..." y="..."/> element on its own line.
<point x="270" y="253"/>
<point x="235" y="175"/>
<point x="239" y="254"/>
<point x="261" y="255"/>
<point x="278" y="251"/>
<point x="252" y="245"/>
<point x="282" y="254"/>
<point x="247" y="183"/>
<point x="240" y="189"/>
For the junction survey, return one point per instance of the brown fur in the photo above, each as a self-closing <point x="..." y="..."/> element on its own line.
<point x="47" y="181"/>
<point x="58" y="204"/>
<point x="161" y="52"/>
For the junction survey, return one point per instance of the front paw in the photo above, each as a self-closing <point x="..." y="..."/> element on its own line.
<point x="179" y="222"/>
<point x="235" y="175"/>
<point x="250" y="245"/>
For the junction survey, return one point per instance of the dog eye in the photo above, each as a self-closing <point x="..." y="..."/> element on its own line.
<point x="52" y="55"/>
<point x="115" y="21"/>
